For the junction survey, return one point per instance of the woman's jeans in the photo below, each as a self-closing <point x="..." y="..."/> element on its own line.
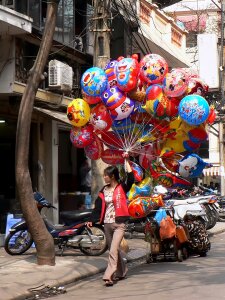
<point x="114" y="233"/>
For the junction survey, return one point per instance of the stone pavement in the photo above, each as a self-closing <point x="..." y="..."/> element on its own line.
<point x="20" y="273"/>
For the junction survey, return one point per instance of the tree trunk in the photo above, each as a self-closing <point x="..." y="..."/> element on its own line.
<point x="43" y="240"/>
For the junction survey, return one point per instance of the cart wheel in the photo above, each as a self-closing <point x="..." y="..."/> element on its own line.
<point x="154" y="257"/>
<point x="179" y="255"/>
<point x="185" y="253"/>
<point x="148" y="258"/>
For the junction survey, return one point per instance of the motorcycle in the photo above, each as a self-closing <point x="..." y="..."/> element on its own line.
<point x="72" y="234"/>
<point x="193" y="216"/>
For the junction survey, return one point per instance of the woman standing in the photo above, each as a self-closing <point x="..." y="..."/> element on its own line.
<point x="111" y="209"/>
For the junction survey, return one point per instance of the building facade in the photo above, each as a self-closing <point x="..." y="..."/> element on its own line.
<point x="203" y="17"/>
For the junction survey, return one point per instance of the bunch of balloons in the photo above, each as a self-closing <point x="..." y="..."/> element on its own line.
<point x="158" y="116"/>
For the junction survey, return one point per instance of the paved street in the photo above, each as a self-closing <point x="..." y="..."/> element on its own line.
<point x="196" y="278"/>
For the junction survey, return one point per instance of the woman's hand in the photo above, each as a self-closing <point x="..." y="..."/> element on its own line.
<point x="127" y="166"/>
<point x="125" y="155"/>
<point x="89" y="224"/>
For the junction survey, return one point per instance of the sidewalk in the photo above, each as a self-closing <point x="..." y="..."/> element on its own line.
<point x="20" y="273"/>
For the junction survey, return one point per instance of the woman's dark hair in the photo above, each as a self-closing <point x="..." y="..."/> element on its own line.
<point x="112" y="171"/>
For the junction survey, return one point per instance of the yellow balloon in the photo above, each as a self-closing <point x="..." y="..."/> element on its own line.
<point x="78" y="112"/>
<point x="175" y="144"/>
<point x="142" y="188"/>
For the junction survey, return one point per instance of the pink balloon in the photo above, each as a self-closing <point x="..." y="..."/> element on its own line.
<point x="82" y="136"/>
<point x="95" y="149"/>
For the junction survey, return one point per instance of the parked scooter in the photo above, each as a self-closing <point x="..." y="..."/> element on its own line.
<point x="73" y="234"/>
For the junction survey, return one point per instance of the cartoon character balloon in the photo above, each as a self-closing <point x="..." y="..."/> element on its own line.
<point x="118" y="104"/>
<point x="175" y="83"/>
<point x="110" y="71"/>
<point x="153" y="69"/>
<point x="100" y="118"/>
<point x="191" y="166"/>
<point x="78" y="112"/>
<point x="197" y="86"/>
<point x="194" y="109"/>
<point x="127" y="70"/>
<point x="94" y="82"/>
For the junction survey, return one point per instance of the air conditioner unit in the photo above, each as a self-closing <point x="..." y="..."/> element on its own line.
<point x="60" y="76"/>
<point x="9" y="3"/>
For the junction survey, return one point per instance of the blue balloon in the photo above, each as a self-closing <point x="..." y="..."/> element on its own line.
<point x="194" y="109"/>
<point x="94" y="82"/>
<point x="191" y="166"/>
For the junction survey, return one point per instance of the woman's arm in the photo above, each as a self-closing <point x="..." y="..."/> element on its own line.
<point x="130" y="174"/>
<point x="127" y="165"/>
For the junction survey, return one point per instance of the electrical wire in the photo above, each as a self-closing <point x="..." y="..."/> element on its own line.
<point x="137" y="42"/>
<point x="142" y="37"/>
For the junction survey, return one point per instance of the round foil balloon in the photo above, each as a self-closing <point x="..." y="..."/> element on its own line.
<point x="94" y="81"/>
<point x="82" y="137"/>
<point x="153" y="69"/>
<point x="78" y="112"/>
<point x="100" y="118"/>
<point x="95" y="149"/>
<point x="194" y="109"/>
<point x="90" y="99"/>
<point x="175" y="83"/>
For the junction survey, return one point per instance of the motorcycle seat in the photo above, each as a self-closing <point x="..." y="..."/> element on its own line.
<point x="75" y="215"/>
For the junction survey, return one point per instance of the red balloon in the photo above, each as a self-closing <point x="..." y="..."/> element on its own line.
<point x="95" y="149"/>
<point x="197" y="135"/>
<point x="111" y="140"/>
<point x="212" y="116"/>
<point x="112" y="157"/>
<point x="100" y="118"/>
<point x="154" y="92"/>
<point x="82" y="136"/>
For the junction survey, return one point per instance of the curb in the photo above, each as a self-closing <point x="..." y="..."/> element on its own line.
<point x="217" y="232"/>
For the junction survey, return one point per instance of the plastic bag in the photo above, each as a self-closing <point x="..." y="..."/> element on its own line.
<point x="167" y="228"/>
<point x="160" y="215"/>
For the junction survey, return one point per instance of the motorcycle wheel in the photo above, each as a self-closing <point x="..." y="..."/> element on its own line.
<point x="100" y="248"/>
<point x="18" y="242"/>
<point x="212" y="218"/>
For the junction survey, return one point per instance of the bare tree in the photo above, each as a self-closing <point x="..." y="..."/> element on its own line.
<point x="43" y="240"/>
